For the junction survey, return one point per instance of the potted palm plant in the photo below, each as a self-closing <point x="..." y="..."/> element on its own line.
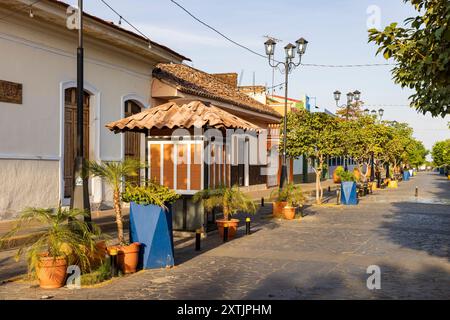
<point x="231" y="200"/>
<point x="280" y="197"/>
<point x="66" y="240"/>
<point x="294" y="200"/>
<point x="151" y="223"/>
<point x="348" y="188"/>
<point x="114" y="172"/>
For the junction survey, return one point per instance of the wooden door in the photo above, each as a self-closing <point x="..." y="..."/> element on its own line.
<point x="70" y="134"/>
<point x="132" y="140"/>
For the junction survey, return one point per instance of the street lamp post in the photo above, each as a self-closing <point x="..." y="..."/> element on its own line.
<point x="380" y="114"/>
<point x="288" y="65"/>
<point x="351" y="96"/>
<point x="80" y="193"/>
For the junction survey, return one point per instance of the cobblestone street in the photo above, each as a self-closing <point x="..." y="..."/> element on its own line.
<point x="323" y="255"/>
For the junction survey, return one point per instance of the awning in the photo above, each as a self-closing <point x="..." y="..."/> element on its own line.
<point x="172" y="115"/>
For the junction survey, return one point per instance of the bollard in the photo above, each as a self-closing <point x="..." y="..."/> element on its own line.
<point x="417" y="192"/>
<point x="114" y="266"/>
<point x="247" y="226"/>
<point x="338" y="196"/>
<point x="262" y="202"/>
<point x="198" y="235"/>
<point x="225" y="232"/>
<point x="329" y="188"/>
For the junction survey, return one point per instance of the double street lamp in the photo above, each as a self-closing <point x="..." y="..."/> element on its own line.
<point x="354" y="96"/>
<point x="289" y="65"/>
<point x="351" y="97"/>
<point x="374" y="113"/>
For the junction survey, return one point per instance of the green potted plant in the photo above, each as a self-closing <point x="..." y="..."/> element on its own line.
<point x="151" y="223"/>
<point x="337" y="174"/>
<point x="114" y="173"/>
<point x="231" y="200"/>
<point x="294" y="200"/>
<point x="279" y="197"/>
<point x="65" y="240"/>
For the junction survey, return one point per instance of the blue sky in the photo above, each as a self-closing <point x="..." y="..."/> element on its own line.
<point x="336" y="31"/>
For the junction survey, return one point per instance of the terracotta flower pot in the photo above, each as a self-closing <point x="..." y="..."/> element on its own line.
<point x="232" y="227"/>
<point x="277" y="208"/>
<point x="289" y="213"/>
<point x="51" y="272"/>
<point x="127" y="257"/>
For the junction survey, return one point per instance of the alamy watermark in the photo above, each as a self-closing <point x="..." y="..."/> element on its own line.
<point x="374" y="280"/>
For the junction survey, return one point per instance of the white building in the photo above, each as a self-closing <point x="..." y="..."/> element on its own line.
<point x="37" y="99"/>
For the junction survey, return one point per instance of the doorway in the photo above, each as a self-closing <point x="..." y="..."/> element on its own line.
<point x="70" y="133"/>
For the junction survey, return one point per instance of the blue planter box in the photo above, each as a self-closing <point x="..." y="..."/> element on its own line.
<point x="348" y="193"/>
<point x="406" y="175"/>
<point x="151" y="226"/>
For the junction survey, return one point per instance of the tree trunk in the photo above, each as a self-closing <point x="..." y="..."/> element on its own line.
<point x="119" y="222"/>
<point x="318" y="187"/>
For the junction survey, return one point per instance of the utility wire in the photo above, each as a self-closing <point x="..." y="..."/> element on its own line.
<point x="217" y="31"/>
<point x="124" y="19"/>
<point x="265" y="57"/>
<point x="347" y="65"/>
<point x="18" y="11"/>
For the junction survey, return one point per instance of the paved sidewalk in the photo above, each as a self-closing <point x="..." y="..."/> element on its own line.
<point x="105" y="219"/>
<point x="323" y="255"/>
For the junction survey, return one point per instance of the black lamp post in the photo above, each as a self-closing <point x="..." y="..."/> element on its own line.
<point x="380" y="114"/>
<point x="351" y="96"/>
<point x="80" y="193"/>
<point x="288" y="65"/>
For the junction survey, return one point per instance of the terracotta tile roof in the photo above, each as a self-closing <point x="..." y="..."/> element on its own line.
<point x="196" y="82"/>
<point x="172" y="115"/>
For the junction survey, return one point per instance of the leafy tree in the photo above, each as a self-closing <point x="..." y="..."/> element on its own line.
<point x="416" y="153"/>
<point x="363" y="137"/>
<point x="422" y="52"/>
<point x="317" y="136"/>
<point x="441" y="153"/>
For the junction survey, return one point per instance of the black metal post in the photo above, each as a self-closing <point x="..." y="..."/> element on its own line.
<point x="417" y="192"/>
<point x="225" y="232"/>
<point x="80" y="192"/>
<point x="247" y="226"/>
<point x="114" y="264"/>
<point x="372" y="169"/>
<point x="198" y="235"/>
<point x="283" y="176"/>
<point x="262" y="201"/>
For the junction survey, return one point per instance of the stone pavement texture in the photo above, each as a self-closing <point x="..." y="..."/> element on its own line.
<point x="323" y="255"/>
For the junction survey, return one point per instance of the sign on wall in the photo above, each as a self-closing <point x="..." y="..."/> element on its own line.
<point x="10" y="92"/>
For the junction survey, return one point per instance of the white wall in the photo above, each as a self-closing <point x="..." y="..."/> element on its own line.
<point x="44" y="61"/>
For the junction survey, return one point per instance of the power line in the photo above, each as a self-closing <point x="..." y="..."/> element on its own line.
<point x="124" y="19"/>
<point x="347" y="65"/>
<point x="217" y="31"/>
<point x="265" y="57"/>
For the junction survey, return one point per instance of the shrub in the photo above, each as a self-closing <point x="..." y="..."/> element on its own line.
<point x="150" y="193"/>
<point x="347" y="176"/>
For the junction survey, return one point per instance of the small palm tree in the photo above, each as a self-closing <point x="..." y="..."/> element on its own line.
<point x="114" y="172"/>
<point x="231" y="200"/>
<point x="66" y="235"/>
